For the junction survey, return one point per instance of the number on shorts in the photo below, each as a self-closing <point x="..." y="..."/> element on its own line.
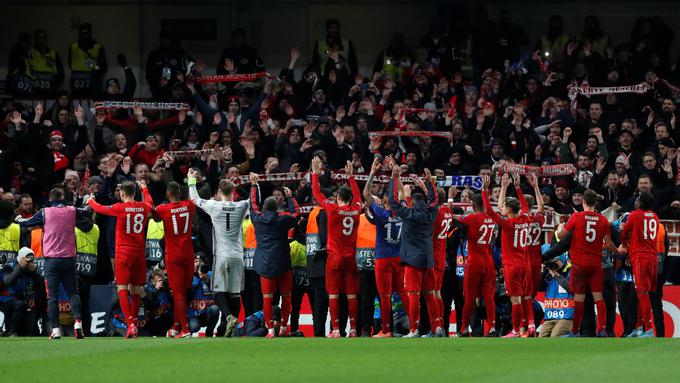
<point x="134" y="223"/>
<point x="348" y="225"/>
<point x="184" y="215"/>
<point x="649" y="228"/>
<point x="485" y="234"/>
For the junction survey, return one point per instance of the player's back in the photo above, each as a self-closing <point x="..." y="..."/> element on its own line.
<point x="643" y="233"/>
<point x="514" y="240"/>
<point x="177" y="218"/>
<point x="442" y="227"/>
<point x="588" y="231"/>
<point x="388" y="232"/>
<point x="227" y="219"/>
<point x="343" y="223"/>
<point x="480" y="229"/>
<point x="131" y="224"/>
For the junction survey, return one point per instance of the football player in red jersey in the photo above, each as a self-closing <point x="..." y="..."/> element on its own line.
<point x="443" y="226"/>
<point x="342" y="275"/>
<point x="130" y="261"/>
<point x="533" y="249"/>
<point x="480" y="274"/>
<point x="589" y="229"/>
<point x="639" y="239"/>
<point x="514" y="241"/>
<point x="177" y="216"/>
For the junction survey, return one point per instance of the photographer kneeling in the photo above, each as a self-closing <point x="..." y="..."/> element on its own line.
<point x="22" y="295"/>
<point x="559" y="301"/>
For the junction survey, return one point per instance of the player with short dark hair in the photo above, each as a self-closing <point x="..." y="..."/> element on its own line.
<point x="130" y="261"/>
<point x="638" y="238"/>
<point x="589" y="229"/>
<point x="177" y="216"/>
<point x="342" y="274"/>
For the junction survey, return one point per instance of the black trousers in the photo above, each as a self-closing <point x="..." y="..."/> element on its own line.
<point x="61" y="271"/>
<point x="452" y="292"/>
<point x="319" y="305"/>
<point x="297" y="295"/>
<point x="252" y="293"/>
<point x="627" y="306"/>
<point x="368" y="291"/>
<point x="656" y="297"/>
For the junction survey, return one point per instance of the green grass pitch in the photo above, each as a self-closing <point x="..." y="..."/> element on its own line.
<point x="338" y="360"/>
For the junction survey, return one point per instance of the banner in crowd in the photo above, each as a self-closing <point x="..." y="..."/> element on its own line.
<point x="150" y="105"/>
<point x="540" y="171"/>
<point x="231" y="77"/>
<point x="409" y="133"/>
<point x="596" y="90"/>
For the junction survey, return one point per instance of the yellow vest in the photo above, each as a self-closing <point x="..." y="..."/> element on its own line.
<point x="365" y="254"/>
<point x="9" y="241"/>
<point x="86" y="251"/>
<point x="298" y="254"/>
<point x="154" y="235"/>
<point x="249" y="244"/>
<point x="43" y="62"/>
<point x="324" y="49"/>
<point x="84" y="61"/>
<point x="392" y="67"/>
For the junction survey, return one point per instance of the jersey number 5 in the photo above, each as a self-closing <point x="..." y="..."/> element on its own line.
<point x="590" y="231"/>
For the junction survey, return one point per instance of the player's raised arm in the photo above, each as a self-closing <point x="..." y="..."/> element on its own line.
<point x="356" y="194"/>
<point x="38" y="219"/>
<point x="505" y="183"/>
<point x="540" y="204"/>
<point x="368" y="197"/>
<point x="486" y="181"/>
<point x="432" y="195"/>
<point x="146" y="196"/>
<point x="192" y="178"/>
<point x="524" y="206"/>
<point x="316" y="188"/>
<point x="102" y="209"/>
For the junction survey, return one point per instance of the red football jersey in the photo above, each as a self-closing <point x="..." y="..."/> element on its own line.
<point x="443" y="224"/>
<point x="480" y="227"/>
<point x="514" y="235"/>
<point x="588" y="231"/>
<point x="343" y="221"/>
<point x="133" y="218"/>
<point x="535" y="231"/>
<point x="177" y="218"/>
<point x="641" y="231"/>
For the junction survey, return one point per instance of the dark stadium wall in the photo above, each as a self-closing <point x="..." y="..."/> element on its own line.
<point x="273" y="27"/>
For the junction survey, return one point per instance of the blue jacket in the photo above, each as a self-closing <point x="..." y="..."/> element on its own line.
<point x="417" y="228"/>
<point x="272" y="254"/>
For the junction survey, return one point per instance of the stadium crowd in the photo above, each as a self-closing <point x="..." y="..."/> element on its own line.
<point x="463" y="106"/>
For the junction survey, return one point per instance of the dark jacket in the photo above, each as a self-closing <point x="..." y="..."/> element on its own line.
<point x="316" y="265"/>
<point x="416" y="240"/>
<point x="272" y="255"/>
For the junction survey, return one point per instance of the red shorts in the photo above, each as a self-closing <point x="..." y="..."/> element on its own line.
<point x="645" y="272"/>
<point x="389" y="276"/>
<point x="584" y="277"/>
<point x="180" y="273"/>
<point x="536" y="269"/>
<point x="518" y="281"/>
<point x="282" y="284"/>
<point x="418" y="279"/>
<point x="130" y="269"/>
<point x="479" y="281"/>
<point x="342" y="275"/>
<point x="439" y="269"/>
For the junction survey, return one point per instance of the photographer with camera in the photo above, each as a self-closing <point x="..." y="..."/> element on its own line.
<point x="22" y="296"/>
<point x="158" y="303"/>
<point x="202" y="310"/>
<point x="559" y="300"/>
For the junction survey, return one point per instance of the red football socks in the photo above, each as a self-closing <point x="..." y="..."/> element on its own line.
<point x="414" y="310"/>
<point x="268" y="312"/>
<point x="517" y="315"/>
<point x="528" y="308"/>
<point x="334" y="306"/>
<point x="578" y="316"/>
<point x="285" y="309"/>
<point x="645" y="310"/>
<point x="385" y="312"/>
<point x="124" y="299"/>
<point x="601" y="315"/>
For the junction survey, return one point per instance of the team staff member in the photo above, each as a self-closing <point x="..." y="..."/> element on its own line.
<point x="272" y="256"/>
<point x="416" y="248"/>
<point x="342" y="275"/>
<point x="59" y="250"/>
<point x="317" y="229"/>
<point x="365" y="258"/>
